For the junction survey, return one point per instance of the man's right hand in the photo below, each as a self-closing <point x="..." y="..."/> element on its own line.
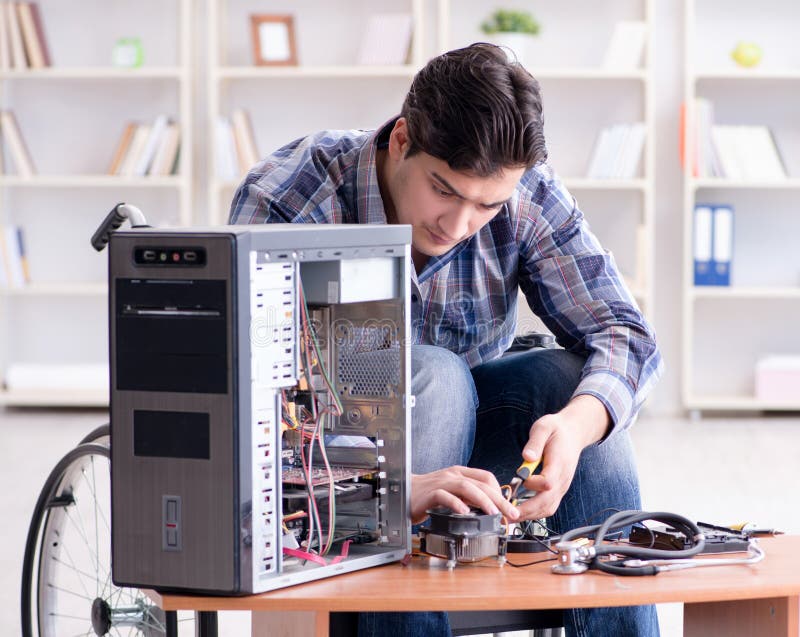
<point x="457" y="488"/>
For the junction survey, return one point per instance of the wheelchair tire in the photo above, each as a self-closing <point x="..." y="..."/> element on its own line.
<point x="66" y="575"/>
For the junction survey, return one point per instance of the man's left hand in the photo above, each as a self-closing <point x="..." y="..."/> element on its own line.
<point x="558" y="440"/>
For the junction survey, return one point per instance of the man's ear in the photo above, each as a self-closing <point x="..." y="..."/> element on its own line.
<point x="398" y="140"/>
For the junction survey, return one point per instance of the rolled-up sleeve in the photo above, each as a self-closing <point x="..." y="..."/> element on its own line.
<point x="575" y="287"/>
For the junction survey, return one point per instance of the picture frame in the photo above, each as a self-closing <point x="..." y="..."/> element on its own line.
<point x="273" y="40"/>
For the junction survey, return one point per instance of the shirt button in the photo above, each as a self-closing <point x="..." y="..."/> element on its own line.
<point x="414" y="298"/>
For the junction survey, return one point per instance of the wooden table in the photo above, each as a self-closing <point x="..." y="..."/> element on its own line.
<point x="729" y="601"/>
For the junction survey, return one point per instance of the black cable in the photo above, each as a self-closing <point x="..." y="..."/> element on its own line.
<point x="548" y="559"/>
<point x="626" y="518"/>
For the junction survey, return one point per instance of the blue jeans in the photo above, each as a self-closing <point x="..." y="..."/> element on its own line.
<point x="482" y="417"/>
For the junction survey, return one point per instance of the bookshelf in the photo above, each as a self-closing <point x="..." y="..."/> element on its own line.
<point x="727" y="329"/>
<point x="59" y="317"/>
<point x="620" y="210"/>
<point x="325" y="90"/>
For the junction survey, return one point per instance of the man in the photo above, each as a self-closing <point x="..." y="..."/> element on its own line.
<point x="464" y="165"/>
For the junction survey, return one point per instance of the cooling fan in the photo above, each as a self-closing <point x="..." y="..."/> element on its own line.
<point x="463" y="537"/>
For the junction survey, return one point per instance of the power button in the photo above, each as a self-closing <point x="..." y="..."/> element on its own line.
<point x="171" y="523"/>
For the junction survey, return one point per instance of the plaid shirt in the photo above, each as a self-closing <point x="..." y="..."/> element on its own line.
<point x="466" y="299"/>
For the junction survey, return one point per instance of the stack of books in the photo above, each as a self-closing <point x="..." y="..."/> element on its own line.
<point x="147" y="149"/>
<point x="22" y="41"/>
<point x="236" y="151"/>
<point x="617" y="152"/>
<point x="730" y="151"/>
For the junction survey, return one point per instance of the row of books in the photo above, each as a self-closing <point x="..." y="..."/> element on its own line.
<point x="731" y="152"/>
<point x="22" y="41"/>
<point x="713" y="244"/>
<point x="617" y="152"/>
<point x="14" y="271"/>
<point x="16" y="149"/>
<point x="236" y="150"/>
<point x="150" y="148"/>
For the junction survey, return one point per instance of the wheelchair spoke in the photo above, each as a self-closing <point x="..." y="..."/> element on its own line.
<point x="74" y="568"/>
<point x="69" y="592"/>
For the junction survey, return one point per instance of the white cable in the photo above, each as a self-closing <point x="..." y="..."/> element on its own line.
<point x="755" y="552"/>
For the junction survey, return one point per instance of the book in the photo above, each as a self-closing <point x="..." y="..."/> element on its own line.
<point x="702" y="242"/>
<point x="247" y="154"/>
<point x="18" y="60"/>
<point x="39" y="26"/>
<point x="632" y="151"/>
<point x="762" y="158"/>
<point x="30" y="38"/>
<point x="624" y="51"/>
<point x="167" y="152"/>
<point x="5" y="45"/>
<point x="140" y="136"/>
<point x="23" y="256"/>
<point x="148" y="151"/>
<point x="737" y="151"/>
<point x="13" y="257"/>
<point x="617" y="152"/>
<point x="16" y="144"/>
<point x="122" y="148"/>
<point x="386" y="39"/>
<point x="722" y="249"/>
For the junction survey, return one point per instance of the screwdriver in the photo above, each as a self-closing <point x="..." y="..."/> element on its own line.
<point x="524" y="472"/>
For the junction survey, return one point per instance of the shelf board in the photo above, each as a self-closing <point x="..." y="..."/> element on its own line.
<point x="748" y="74"/>
<point x="739" y="403"/>
<point x="787" y="183"/>
<point x="91" y="181"/>
<point x="54" y="398"/>
<point x="95" y="73"/>
<point x="58" y="289"/>
<point x="256" y="72"/>
<point x="584" y="183"/>
<point x="734" y="292"/>
<point x="587" y="73"/>
<point x="408" y="70"/>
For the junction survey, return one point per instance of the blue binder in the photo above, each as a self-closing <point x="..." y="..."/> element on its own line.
<point x="713" y="244"/>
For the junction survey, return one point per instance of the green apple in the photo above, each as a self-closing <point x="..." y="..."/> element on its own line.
<point x="747" y="54"/>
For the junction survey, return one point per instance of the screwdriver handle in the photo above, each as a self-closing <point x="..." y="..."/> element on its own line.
<point x="526" y="469"/>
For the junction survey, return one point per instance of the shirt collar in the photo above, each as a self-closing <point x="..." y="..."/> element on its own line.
<point x="369" y="203"/>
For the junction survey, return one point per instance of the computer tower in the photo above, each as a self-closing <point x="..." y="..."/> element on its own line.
<point x="260" y="407"/>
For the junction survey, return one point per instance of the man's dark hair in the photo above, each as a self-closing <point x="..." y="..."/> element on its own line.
<point x="476" y="110"/>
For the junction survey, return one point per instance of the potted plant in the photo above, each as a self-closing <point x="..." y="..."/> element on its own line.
<point x="511" y="29"/>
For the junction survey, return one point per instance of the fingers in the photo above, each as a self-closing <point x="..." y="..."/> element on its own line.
<point x="542" y="505"/>
<point x="457" y="488"/>
<point x="479" y="488"/>
<point x="537" y="440"/>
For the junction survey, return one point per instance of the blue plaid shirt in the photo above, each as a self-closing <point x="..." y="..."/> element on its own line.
<point x="466" y="299"/>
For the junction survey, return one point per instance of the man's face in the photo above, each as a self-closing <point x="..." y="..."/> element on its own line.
<point x="443" y="206"/>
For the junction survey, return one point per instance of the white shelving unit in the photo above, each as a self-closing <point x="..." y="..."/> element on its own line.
<point x="727" y="329"/>
<point x="580" y="97"/>
<point x="340" y="94"/>
<point x="60" y="317"/>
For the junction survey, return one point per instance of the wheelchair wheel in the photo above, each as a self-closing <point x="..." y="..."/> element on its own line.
<point x="66" y="578"/>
